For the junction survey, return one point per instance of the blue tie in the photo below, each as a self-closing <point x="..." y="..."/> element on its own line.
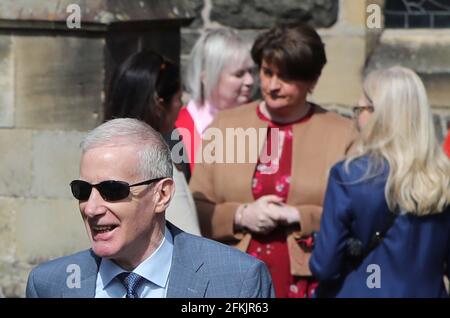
<point x="131" y="281"/>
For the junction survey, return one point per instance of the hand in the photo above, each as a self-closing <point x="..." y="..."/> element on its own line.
<point x="285" y="214"/>
<point x="258" y="217"/>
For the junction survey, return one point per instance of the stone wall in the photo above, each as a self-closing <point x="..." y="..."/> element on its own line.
<point x="51" y="87"/>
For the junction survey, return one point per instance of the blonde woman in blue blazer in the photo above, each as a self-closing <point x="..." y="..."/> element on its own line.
<point x="389" y="203"/>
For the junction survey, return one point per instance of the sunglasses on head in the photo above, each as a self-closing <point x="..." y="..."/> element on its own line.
<point x="110" y="190"/>
<point x="357" y="110"/>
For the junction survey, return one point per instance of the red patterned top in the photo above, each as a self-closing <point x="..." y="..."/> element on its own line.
<point x="274" y="178"/>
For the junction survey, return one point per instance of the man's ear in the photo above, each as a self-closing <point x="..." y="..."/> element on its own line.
<point x="164" y="194"/>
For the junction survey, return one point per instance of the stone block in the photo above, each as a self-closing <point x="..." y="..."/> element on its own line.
<point x="16" y="161"/>
<point x="261" y="14"/>
<point x="354" y="13"/>
<point x="437" y="85"/>
<point x="47" y="229"/>
<point x="188" y="39"/>
<point x="13" y="278"/>
<point x="56" y="157"/>
<point x="13" y="274"/>
<point x="32" y="231"/>
<point x="438" y="127"/>
<point x="427" y="52"/>
<point x="8" y="213"/>
<point x="6" y="82"/>
<point x="341" y="79"/>
<point x="59" y="81"/>
<point x="196" y="7"/>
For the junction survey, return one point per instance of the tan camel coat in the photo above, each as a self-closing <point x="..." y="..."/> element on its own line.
<point x="219" y="188"/>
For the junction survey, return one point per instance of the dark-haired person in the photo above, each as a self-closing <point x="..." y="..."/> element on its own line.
<point x="147" y="87"/>
<point x="124" y="189"/>
<point x="269" y="208"/>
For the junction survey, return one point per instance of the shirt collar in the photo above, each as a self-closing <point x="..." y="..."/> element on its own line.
<point x="155" y="268"/>
<point x="202" y="115"/>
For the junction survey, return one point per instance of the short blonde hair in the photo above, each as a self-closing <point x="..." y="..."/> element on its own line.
<point x="401" y="131"/>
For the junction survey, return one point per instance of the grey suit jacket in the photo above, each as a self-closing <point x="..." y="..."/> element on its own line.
<point x="200" y="268"/>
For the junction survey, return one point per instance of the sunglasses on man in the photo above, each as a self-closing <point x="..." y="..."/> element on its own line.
<point x="110" y="190"/>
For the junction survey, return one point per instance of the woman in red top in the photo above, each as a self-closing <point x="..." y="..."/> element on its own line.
<point x="270" y="208"/>
<point x="218" y="76"/>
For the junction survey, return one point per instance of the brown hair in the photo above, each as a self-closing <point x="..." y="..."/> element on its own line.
<point x="295" y="49"/>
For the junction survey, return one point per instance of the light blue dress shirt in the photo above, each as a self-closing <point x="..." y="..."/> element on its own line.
<point x="155" y="269"/>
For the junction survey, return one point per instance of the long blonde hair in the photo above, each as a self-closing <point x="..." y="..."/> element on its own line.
<point x="401" y="131"/>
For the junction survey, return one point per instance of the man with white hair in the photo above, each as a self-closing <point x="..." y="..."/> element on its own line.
<point x="124" y="189"/>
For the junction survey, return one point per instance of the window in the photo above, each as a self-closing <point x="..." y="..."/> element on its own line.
<point x="417" y="14"/>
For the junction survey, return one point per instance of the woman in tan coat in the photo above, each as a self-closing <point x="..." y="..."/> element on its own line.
<point x="264" y="166"/>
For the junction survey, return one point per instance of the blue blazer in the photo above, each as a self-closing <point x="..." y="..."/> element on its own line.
<point x="412" y="259"/>
<point x="200" y="268"/>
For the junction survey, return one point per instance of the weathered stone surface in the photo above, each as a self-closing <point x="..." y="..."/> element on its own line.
<point x="188" y="40"/>
<point x="6" y="82"/>
<point x="33" y="231"/>
<point x="16" y="159"/>
<point x="196" y="7"/>
<point x="260" y="14"/>
<point x="59" y="81"/>
<point x="14" y="278"/>
<point x="425" y="52"/>
<point x="8" y="211"/>
<point x="345" y="61"/>
<point x="94" y="14"/>
<point x="438" y="127"/>
<point x="437" y="85"/>
<point x="47" y="229"/>
<point x="56" y="157"/>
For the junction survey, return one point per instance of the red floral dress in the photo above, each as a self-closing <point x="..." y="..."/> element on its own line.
<point x="274" y="178"/>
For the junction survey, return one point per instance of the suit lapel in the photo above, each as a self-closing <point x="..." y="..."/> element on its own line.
<point x="89" y="272"/>
<point x="185" y="278"/>
<point x="185" y="282"/>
